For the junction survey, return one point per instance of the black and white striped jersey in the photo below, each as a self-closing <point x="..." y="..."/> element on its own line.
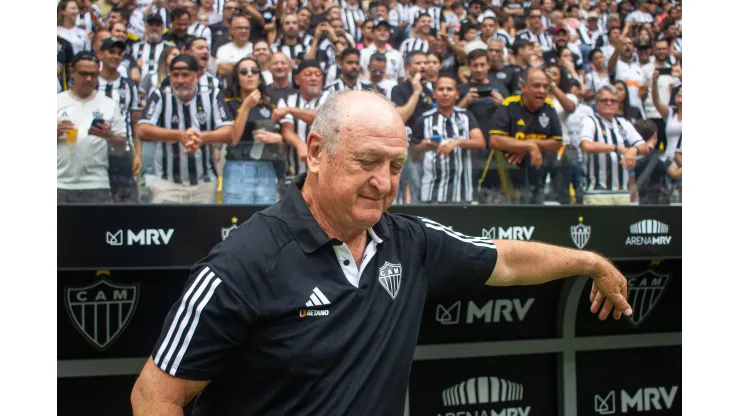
<point x="602" y="23"/>
<point x="585" y="39"/>
<point x="400" y="14"/>
<point x="435" y="12"/>
<point x="147" y="55"/>
<point x="505" y="37"/>
<point x="205" y="112"/>
<point x="218" y="6"/>
<point x="86" y="22"/>
<point x="350" y="17"/>
<point x="413" y="44"/>
<point x="340" y="85"/>
<point x="332" y="74"/>
<point x="164" y="14"/>
<point x="325" y="55"/>
<point x="199" y="30"/>
<point x="446" y="178"/>
<point x="604" y="170"/>
<point x="297" y="51"/>
<point x="123" y="91"/>
<point x="301" y="128"/>
<point x="544" y="38"/>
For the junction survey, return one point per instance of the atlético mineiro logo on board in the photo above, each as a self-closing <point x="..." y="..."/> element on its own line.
<point x="644" y="291"/>
<point x="580" y="233"/>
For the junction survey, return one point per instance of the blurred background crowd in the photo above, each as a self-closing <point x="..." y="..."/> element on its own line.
<point x="505" y="101"/>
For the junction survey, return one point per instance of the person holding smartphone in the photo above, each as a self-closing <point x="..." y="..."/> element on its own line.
<point x="661" y="63"/>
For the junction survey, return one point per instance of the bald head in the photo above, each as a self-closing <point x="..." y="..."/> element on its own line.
<point x="348" y="111"/>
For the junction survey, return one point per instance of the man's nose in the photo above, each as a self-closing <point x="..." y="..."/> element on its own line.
<point x="382" y="180"/>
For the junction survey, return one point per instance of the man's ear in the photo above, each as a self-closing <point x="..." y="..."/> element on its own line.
<point x="315" y="150"/>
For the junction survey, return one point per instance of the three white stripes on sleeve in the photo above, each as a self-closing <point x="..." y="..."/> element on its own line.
<point x="188" y="314"/>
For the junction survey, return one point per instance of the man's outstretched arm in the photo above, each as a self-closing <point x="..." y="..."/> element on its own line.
<point x="530" y="263"/>
<point x="158" y="393"/>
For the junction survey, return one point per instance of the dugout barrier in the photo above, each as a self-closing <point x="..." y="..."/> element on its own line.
<point x="481" y="351"/>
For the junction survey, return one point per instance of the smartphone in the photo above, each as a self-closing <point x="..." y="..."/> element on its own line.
<point x="485" y="91"/>
<point x="436" y="138"/>
<point x="97" y="122"/>
<point x="434" y="32"/>
<point x="665" y="71"/>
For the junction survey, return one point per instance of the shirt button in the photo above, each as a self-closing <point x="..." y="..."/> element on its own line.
<point x="346" y="262"/>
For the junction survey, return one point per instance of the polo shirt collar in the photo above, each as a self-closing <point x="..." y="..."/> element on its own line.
<point x="302" y="224"/>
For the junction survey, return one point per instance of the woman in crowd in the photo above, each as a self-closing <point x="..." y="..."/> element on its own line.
<point x="673" y="116"/>
<point x="624" y="108"/>
<point x="249" y="175"/>
<point x="560" y="165"/>
<point x="434" y="63"/>
<point x="566" y="61"/>
<point x="67" y="12"/>
<point x="597" y="78"/>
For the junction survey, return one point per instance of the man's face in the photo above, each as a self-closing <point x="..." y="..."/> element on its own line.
<point x="381" y="12"/>
<point x="556" y="18"/>
<point x="425" y="25"/>
<point x="153" y="32"/>
<point x="192" y="8"/>
<point x="629" y="48"/>
<point x="643" y="55"/>
<point x="487" y="28"/>
<point x="377" y="71"/>
<point x="606" y="104"/>
<point x="180" y="25"/>
<point x="290" y="26"/>
<point x="310" y="81"/>
<point x="418" y="65"/>
<point x="229" y="9"/>
<point x="526" y="52"/>
<point x="548" y="5"/>
<point x="99" y="37"/>
<point x="334" y="13"/>
<point x="433" y="66"/>
<point x="496" y="53"/>
<point x="445" y="92"/>
<point x="367" y="32"/>
<point x="535" y="88"/>
<point x="240" y="30"/>
<point x="279" y="66"/>
<point x="112" y="57"/>
<point x="85" y="77"/>
<point x="593" y="24"/>
<point x="603" y="6"/>
<point x="474" y="10"/>
<point x="598" y="60"/>
<point x="262" y="52"/>
<point x="535" y="19"/>
<point x="479" y="69"/>
<point x="561" y="39"/>
<point x="661" y="51"/>
<point x="382" y="34"/>
<point x="360" y="181"/>
<point x="614" y="34"/>
<point x="114" y="17"/>
<point x="350" y="66"/>
<point x="171" y="4"/>
<point x="183" y="83"/>
<point x="670" y="32"/>
<point x="304" y="19"/>
<point x="200" y="51"/>
<point x="119" y="31"/>
<point x="206" y="4"/>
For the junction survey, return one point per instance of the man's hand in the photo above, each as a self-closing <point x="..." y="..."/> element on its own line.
<point x="280" y="113"/>
<point x="137" y="164"/>
<point x="63" y="127"/>
<point x="302" y="151"/>
<point x="416" y="83"/>
<point x="267" y="137"/>
<point x="190" y="138"/>
<point x="609" y="292"/>
<point x="427" y="144"/>
<point x="446" y="147"/>
<point x="535" y="155"/>
<point x="496" y="97"/>
<point x="629" y="157"/>
<point x="471" y="97"/>
<point x="104" y="132"/>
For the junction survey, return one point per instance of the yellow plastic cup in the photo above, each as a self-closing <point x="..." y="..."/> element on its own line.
<point x="71" y="136"/>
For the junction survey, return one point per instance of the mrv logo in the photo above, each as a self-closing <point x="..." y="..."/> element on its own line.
<point x="484" y="396"/>
<point x="509" y="233"/>
<point x="147" y="237"/>
<point x="643" y="400"/>
<point x="648" y="233"/>
<point x="508" y="310"/>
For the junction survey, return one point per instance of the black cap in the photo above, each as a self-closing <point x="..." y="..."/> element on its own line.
<point x="84" y="56"/>
<point x="643" y="46"/>
<point x="309" y="63"/>
<point x="382" y="22"/>
<point x="190" y="63"/>
<point x="154" y="17"/>
<point x="111" y="42"/>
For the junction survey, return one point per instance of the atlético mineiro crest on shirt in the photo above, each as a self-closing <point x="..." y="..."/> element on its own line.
<point x="102" y="310"/>
<point x="389" y="277"/>
<point x="202" y="118"/>
<point x="544" y="120"/>
<point x="264" y="112"/>
<point x="225" y="231"/>
<point x="580" y="233"/>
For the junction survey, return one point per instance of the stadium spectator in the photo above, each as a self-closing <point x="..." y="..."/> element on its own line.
<point x="266" y="17"/>
<point x="249" y="175"/>
<point x="525" y="126"/>
<point x="427" y="7"/>
<point x="419" y="41"/>
<point x="654" y="170"/>
<point x="505" y="31"/>
<point x="611" y="144"/>
<point x="501" y="72"/>
<point x="434" y="64"/>
<point x="125" y="165"/>
<point x="623" y="66"/>
<point x="587" y="36"/>
<point x="221" y="31"/>
<point x="88" y="123"/>
<point x="325" y="46"/>
<point x="353" y="19"/>
<point x="393" y="58"/>
<point x="561" y="164"/>
<point x="128" y="67"/>
<point x="305" y="17"/>
<point x="297" y="112"/>
<point x="281" y="85"/>
<point x="89" y="19"/>
<point x="522" y="52"/>
<point x="65" y="53"/>
<point x="153" y="79"/>
<point x="67" y="13"/>
<point x="179" y="26"/>
<point x="349" y="65"/>
<point x="262" y="55"/>
<point x="597" y="77"/>
<point x="336" y="24"/>
<point x="290" y="43"/>
<point x="239" y="47"/>
<point x="377" y="67"/>
<point x="517" y="10"/>
<point x="163" y="9"/>
<point x="195" y="28"/>
<point x="672" y="125"/>
<point x="534" y="31"/>
<point x="185" y="122"/>
<point x="198" y="48"/>
<point x="612" y="40"/>
<point x="662" y="64"/>
<point x="147" y="51"/>
<point x="207" y="8"/>
<point x="624" y="107"/>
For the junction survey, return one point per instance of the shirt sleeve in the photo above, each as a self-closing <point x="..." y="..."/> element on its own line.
<point x="452" y="255"/>
<point x="288" y="117"/>
<point x="135" y="95"/>
<point x="417" y="132"/>
<point x="501" y="122"/>
<point x="588" y="131"/>
<point x="556" y="128"/>
<point x="220" y="115"/>
<point x="472" y="121"/>
<point x="118" y="122"/>
<point x="633" y="137"/>
<point x="397" y="96"/>
<point x="153" y="109"/>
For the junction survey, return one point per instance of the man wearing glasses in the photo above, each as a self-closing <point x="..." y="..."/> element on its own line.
<point x="240" y="46"/>
<point x="534" y="31"/>
<point x="220" y="31"/>
<point x="611" y="145"/>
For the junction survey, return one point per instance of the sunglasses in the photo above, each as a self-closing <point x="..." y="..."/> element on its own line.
<point x="254" y="70"/>
<point x="87" y="74"/>
<point x="608" y="100"/>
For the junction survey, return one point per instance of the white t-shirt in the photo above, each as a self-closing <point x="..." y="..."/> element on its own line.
<point x="76" y="36"/>
<point x="638" y="17"/>
<point x="631" y="74"/>
<point x="594" y="81"/>
<point x="563" y="115"/>
<point x="232" y="53"/>
<point x="393" y="63"/>
<point x="673" y="130"/>
<point x="664" y="93"/>
<point x="84" y="165"/>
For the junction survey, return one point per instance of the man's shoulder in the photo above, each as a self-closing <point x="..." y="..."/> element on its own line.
<point x="512" y="101"/>
<point x="260" y="238"/>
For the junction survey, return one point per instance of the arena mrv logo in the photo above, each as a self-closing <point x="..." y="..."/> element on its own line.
<point x="507" y="310"/>
<point x="642" y="400"/>
<point x="509" y="233"/>
<point x="484" y="396"/>
<point x="145" y="237"/>
<point x="648" y="233"/>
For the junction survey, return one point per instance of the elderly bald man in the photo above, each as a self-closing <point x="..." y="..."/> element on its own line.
<point x="313" y="306"/>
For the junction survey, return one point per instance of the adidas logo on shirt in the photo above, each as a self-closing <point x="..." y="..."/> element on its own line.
<point x="317" y="298"/>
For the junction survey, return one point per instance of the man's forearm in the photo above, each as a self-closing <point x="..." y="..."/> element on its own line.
<point x="530" y="263"/>
<point x="223" y="134"/>
<point x="153" y="133"/>
<point x="407" y="110"/>
<point x="143" y="408"/>
<point x="549" y="145"/>
<point x="508" y="144"/>
<point x="303" y="114"/>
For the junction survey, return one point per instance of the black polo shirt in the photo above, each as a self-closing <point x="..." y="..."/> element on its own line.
<point x="509" y="76"/>
<point x="259" y="118"/>
<point x="400" y="95"/>
<point x="271" y="317"/>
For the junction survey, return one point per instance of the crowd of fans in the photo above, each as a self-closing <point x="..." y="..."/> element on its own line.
<point x="505" y="101"/>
